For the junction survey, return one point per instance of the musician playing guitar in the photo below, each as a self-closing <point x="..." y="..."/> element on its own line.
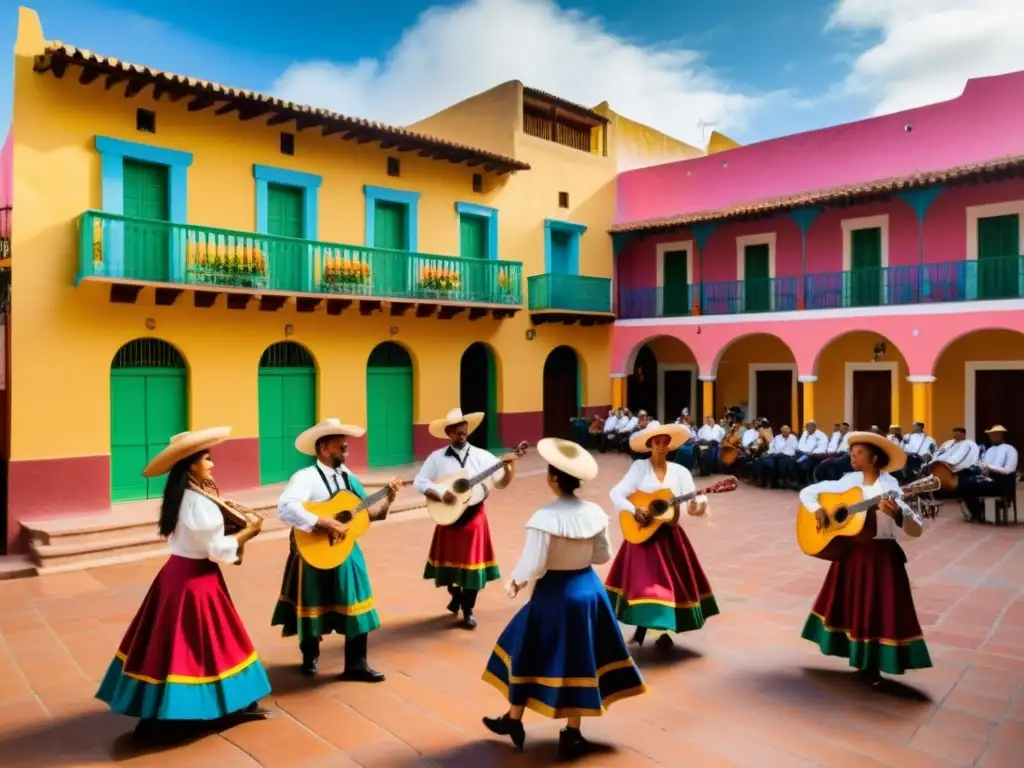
<point x="461" y="556"/>
<point x="865" y="610"/>
<point x="659" y="584"/>
<point x="315" y="602"/>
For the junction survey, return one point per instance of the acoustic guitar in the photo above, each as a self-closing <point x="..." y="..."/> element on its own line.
<point x="461" y="485"/>
<point x="660" y="504"/>
<point x="851" y="518"/>
<point x="316" y="547"/>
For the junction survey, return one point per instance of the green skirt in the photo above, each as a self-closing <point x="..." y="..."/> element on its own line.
<point x="314" y="603"/>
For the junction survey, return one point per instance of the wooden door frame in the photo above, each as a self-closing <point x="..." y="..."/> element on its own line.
<point x="752" y="371"/>
<point x="659" y="260"/>
<point x="893" y="366"/>
<point x="971" y="367"/>
<point x="662" y="368"/>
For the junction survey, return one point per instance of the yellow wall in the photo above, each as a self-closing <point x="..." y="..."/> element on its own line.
<point x="830" y="389"/>
<point x="671" y="351"/>
<point x="732" y="379"/>
<point x="948" y="409"/>
<point x="65" y="337"/>
<point x="640" y="146"/>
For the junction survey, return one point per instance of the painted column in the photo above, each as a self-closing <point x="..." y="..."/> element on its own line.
<point x="807" y="382"/>
<point x="895" y="406"/>
<point x="803" y="217"/>
<point x="922" y="398"/>
<point x="701" y="232"/>
<point x="708" y="384"/>
<point x="920" y="200"/>
<point x="618" y="390"/>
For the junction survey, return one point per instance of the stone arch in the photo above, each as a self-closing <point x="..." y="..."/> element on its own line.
<point x="286" y="404"/>
<point x="662" y="378"/>
<point x="758" y="373"/>
<point x="390" y="398"/>
<point x="479" y="390"/>
<point x="563" y="391"/>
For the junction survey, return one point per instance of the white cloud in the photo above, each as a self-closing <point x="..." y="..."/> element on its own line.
<point x="929" y="48"/>
<point x="456" y="51"/>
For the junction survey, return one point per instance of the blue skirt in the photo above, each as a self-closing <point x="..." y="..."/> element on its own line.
<point x="563" y="654"/>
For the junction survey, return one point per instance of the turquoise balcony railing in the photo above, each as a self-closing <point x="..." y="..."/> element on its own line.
<point x="990" y="278"/>
<point x="145" y="250"/>
<point x="570" y="293"/>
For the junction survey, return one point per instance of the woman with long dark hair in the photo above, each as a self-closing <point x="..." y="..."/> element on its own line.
<point x="562" y="655"/>
<point x="865" y="610"/>
<point x="186" y="655"/>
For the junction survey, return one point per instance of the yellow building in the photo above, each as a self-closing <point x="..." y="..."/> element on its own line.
<point x="194" y="255"/>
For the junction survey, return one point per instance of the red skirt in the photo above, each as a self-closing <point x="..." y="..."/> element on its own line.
<point x="865" y="611"/>
<point x="461" y="554"/>
<point x="660" y="584"/>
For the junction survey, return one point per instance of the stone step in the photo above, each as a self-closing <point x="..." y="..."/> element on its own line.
<point x="16" y="567"/>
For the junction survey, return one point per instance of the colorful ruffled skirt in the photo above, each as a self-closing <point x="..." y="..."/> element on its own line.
<point x="462" y="555"/>
<point x="186" y="654"/>
<point x="563" y="654"/>
<point x="865" y="611"/>
<point x="660" y="584"/>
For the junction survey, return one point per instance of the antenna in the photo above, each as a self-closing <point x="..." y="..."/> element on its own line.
<point x="702" y="124"/>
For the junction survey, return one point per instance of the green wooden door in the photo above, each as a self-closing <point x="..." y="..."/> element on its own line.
<point x="287" y="406"/>
<point x="285" y="218"/>
<point x="147" y="407"/>
<point x="389" y="224"/>
<point x="866" y="267"/>
<point x="389" y="407"/>
<point x="472" y="237"/>
<point x="146" y="246"/>
<point x="757" y="295"/>
<point x="998" y="257"/>
<point x="476" y="279"/>
<point x="675" y="285"/>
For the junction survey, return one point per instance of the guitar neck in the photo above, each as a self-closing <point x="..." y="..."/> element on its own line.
<point x="372" y="499"/>
<point x="481" y="476"/>
<point x="866" y="504"/>
<point x="684" y="498"/>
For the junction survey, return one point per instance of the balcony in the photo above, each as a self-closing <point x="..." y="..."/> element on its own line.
<point x="563" y="298"/>
<point x="993" y="278"/>
<point x="130" y="254"/>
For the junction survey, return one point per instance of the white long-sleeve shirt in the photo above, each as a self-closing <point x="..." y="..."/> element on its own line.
<point x="627" y="425"/>
<point x="839" y="443"/>
<point x="784" y="446"/>
<point x="813" y="443"/>
<point x="712" y="434"/>
<point x="199" y="534"/>
<point x="568" y="534"/>
<point x="1001" y="459"/>
<point x="919" y="444"/>
<point x="749" y="438"/>
<point x="641" y="477"/>
<point x="447" y="460"/>
<point x="611" y="424"/>
<point x="959" y="454"/>
<point x="307" y="485"/>
<point x="886" y="528"/>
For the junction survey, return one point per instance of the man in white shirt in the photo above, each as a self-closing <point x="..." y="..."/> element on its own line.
<point x="837" y="456"/>
<point x="811" y="450"/>
<point x="919" y="447"/>
<point x="709" y="438"/>
<point x="461" y="555"/>
<point x="998" y="476"/>
<point x="316" y="602"/>
<point x="627" y="426"/>
<point x="896" y="434"/>
<point x="775" y="464"/>
<point x="611" y="428"/>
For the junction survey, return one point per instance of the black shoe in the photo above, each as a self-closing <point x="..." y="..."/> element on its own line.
<point x="255" y="712"/>
<point x="639" y="636"/>
<point x="362" y="675"/>
<point x="309" y="665"/>
<point x="664" y="643"/>
<point x="571" y="743"/>
<point x="506" y="726"/>
<point x="454" y="604"/>
<point x="468" y="622"/>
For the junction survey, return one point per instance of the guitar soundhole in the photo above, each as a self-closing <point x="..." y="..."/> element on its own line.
<point x="841" y="514"/>
<point x="345" y="517"/>
<point x="460" y="486"/>
<point x="658" y="507"/>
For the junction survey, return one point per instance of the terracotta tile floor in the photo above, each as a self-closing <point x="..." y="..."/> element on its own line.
<point x="745" y="691"/>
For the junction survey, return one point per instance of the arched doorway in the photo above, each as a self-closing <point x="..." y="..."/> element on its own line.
<point x="862" y="379"/>
<point x="148" y="405"/>
<point x="642" y="381"/>
<point x="478" y="391"/>
<point x="663" y="379"/>
<point x="561" y="392"/>
<point x="287" y="406"/>
<point x="389" y="406"/>
<point x="758" y="374"/>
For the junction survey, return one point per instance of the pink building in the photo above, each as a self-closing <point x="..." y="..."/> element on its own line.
<point x="868" y="272"/>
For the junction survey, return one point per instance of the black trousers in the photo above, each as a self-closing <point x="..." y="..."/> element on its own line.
<point x="355" y="650"/>
<point x="833" y="469"/>
<point x="466" y="598"/>
<point x="770" y="469"/>
<point x="802" y="472"/>
<point x="976" y="487"/>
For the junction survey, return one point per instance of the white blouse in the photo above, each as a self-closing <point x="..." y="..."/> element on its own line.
<point x="565" y="535"/>
<point x="641" y="477"/>
<point x="199" y="534"/>
<point x="887" y="527"/>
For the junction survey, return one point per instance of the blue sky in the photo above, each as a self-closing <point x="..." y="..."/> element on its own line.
<point x="758" y="69"/>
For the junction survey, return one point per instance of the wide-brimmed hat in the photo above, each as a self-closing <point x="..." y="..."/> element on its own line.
<point x="677" y="433"/>
<point x="568" y="457"/>
<point x="438" y="427"/>
<point x="897" y="458"/>
<point x="183" y="445"/>
<point x="306" y="441"/>
<point x="996" y="428"/>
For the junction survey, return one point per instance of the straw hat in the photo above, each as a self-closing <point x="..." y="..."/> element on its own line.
<point x="183" y="445"/>
<point x="678" y="434"/>
<point x="455" y="416"/>
<point x="569" y="457"/>
<point x="897" y="458"/>
<point x="996" y="428"/>
<point x="306" y="442"/>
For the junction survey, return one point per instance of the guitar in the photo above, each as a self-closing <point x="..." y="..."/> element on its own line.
<point x="461" y="485"/>
<point x="316" y="548"/>
<point x="851" y="518"/>
<point x="660" y="504"/>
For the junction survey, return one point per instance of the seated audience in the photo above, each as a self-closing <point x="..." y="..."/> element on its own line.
<point x="998" y="475"/>
<point x="775" y="465"/>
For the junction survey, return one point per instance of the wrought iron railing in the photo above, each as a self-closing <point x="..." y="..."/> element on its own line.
<point x="570" y="293"/>
<point x="975" y="280"/>
<point x="121" y="247"/>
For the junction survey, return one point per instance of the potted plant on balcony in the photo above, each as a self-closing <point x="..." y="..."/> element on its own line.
<point x="239" y="268"/>
<point x="345" y="276"/>
<point x="506" y="288"/>
<point x="438" y="282"/>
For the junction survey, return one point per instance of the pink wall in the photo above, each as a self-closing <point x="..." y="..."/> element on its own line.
<point x="920" y="338"/>
<point x="7" y="171"/>
<point x="981" y="124"/>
